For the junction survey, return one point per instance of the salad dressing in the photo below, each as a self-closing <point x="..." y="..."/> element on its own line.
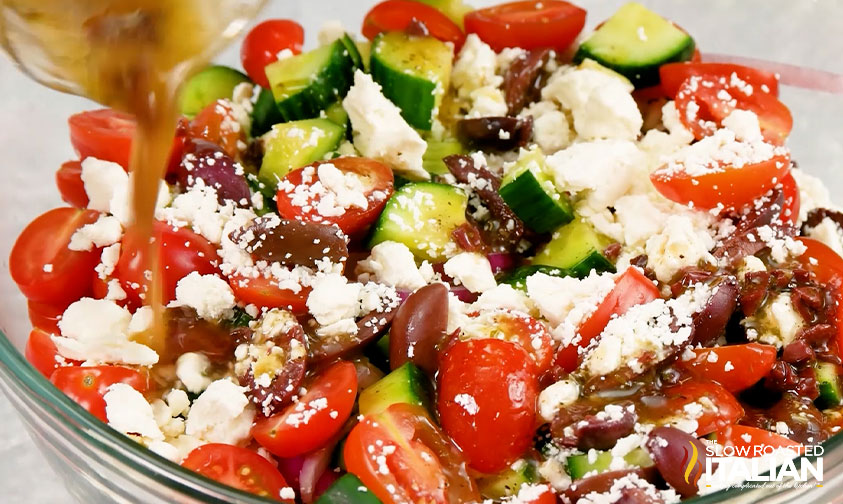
<point x="131" y="55"/>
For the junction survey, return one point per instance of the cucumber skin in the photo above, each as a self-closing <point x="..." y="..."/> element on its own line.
<point x="508" y="482"/>
<point x="346" y="490"/>
<point x="531" y="202"/>
<point x="272" y="168"/>
<point x="265" y="114"/>
<point x="213" y="83"/>
<point x="828" y="384"/>
<point x="640" y="76"/>
<point x="518" y="278"/>
<point x="413" y="95"/>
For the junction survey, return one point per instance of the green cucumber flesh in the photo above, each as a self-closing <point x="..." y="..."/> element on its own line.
<point x="531" y="194"/>
<point x="422" y="216"/>
<point x="577" y="248"/>
<point x="828" y="383"/>
<point x="213" y="83"/>
<point x="291" y="145"/>
<point x="579" y="465"/>
<point x="518" y="278"/>
<point x="414" y="73"/>
<point x="438" y="150"/>
<point x="454" y="9"/>
<point x="635" y="42"/>
<point x="265" y="113"/>
<point x="348" y="489"/>
<point x="337" y="115"/>
<point x="507" y="483"/>
<point x="403" y="385"/>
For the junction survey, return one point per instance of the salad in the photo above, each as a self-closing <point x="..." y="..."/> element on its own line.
<point x="471" y="256"/>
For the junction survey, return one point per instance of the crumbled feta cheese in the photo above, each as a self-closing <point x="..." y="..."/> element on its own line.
<point x="487" y="101"/>
<point x="379" y="130"/>
<point x="475" y="67"/>
<point x="828" y="232"/>
<point x="330" y="31"/>
<point x="780" y="321"/>
<point x="813" y="193"/>
<point x="128" y="411"/>
<point x="108" y="260"/>
<point x="503" y="296"/>
<point x="333" y="299"/>
<point x="554" y="397"/>
<point x="200" y="209"/>
<point x="392" y="263"/>
<point x="101" y="180"/>
<point x="221" y="414"/>
<point x="744" y="124"/>
<point x="678" y="246"/>
<point x="104" y="232"/>
<point x="209" y="295"/>
<point x="750" y="264"/>
<point x="192" y="370"/>
<point x="471" y="270"/>
<point x="550" y="126"/>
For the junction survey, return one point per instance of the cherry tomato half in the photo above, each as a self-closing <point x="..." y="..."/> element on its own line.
<point x="736" y="367"/>
<point x="71" y="187"/>
<point x="487" y="390"/>
<point x="45" y="270"/>
<point x="827" y="268"/>
<point x="516" y="327"/>
<point x="375" y="178"/>
<point x="672" y="75"/>
<point x="396" y="15"/>
<point x="215" y="123"/>
<point x="317" y="416"/>
<point x="265" y="293"/>
<point x="262" y="45"/>
<point x="88" y="385"/>
<point x="720" y="408"/>
<point x="792" y="202"/>
<point x="237" y="467"/>
<point x="745" y="438"/>
<point x="403" y="458"/>
<point x="529" y="24"/>
<point x="105" y="134"/>
<point x="41" y="352"/>
<point x="45" y="315"/>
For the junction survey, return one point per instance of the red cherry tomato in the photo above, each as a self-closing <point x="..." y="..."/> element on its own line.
<point x="215" y="123"/>
<point x="45" y="315"/>
<point x="396" y="15"/>
<point x="375" y="177"/>
<point x="71" y="187"/>
<point x="488" y="390"/>
<point x="672" y="75"/>
<point x="88" y="385"/>
<point x="736" y="367"/>
<point x="45" y="270"/>
<point x="745" y="439"/>
<point x="41" y="352"/>
<point x="720" y="408"/>
<point x="631" y="288"/>
<point x="403" y="457"/>
<point x="529" y="24"/>
<point x="516" y="327"/>
<point x="264" y="293"/>
<point x="105" y="134"/>
<point x="317" y="417"/>
<point x="792" y="203"/>
<point x="262" y="45"/>
<point x="827" y="268"/>
<point x="712" y="99"/>
<point x="237" y="467"/>
<point x="181" y="252"/>
<point x="729" y="186"/>
<point x="547" y="496"/>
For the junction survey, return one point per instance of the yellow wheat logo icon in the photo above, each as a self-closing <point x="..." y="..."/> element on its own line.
<point x="691" y="465"/>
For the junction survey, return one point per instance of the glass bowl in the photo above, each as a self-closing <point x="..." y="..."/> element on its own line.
<point x="97" y="464"/>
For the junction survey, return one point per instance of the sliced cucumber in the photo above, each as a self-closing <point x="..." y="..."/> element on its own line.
<point x="531" y="194"/>
<point x="378" y="353"/>
<point x="213" y="83"/>
<point x="422" y="216"/>
<point x="508" y="482"/>
<point x="454" y="9"/>
<point x="635" y="42"/>
<point x="414" y="73"/>
<point x="518" y="278"/>
<point x="828" y="382"/>
<point x="353" y="50"/>
<point x="308" y="83"/>
<point x="577" y="248"/>
<point x="337" y="115"/>
<point x="265" y="113"/>
<point x="364" y="47"/>
<point x="579" y="465"/>
<point x="348" y="489"/>
<point x="436" y="151"/>
<point x="403" y="385"/>
<point x="295" y="144"/>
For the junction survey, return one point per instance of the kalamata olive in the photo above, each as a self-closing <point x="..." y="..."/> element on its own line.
<point x="292" y="243"/>
<point x="418" y="327"/>
<point x="805" y="422"/>
<point x="753" y="291"/>
<point x="817" y="215"/>
<point x="369" y="328"/>
<point x="524" y="79"/>
<point x="638" y="496"/>
<point x="796" y="352"/>
<point x="187" y="332"/>
<point x="367" y="373"/>
<point x="600" y="483"/>
<point x="602" y="430"/>
<point x="745" y="240"/>
<point x="272" y="364"/>
<point x="672" y="451"/>
<point x="495" y="133"/>
<point x="206" y="161"/>
<point x="710" y="322"/>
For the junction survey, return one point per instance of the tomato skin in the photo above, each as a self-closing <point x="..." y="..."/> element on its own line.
<point x="735" y="436"/>
<point x="421" y="464"/>
<point x="792" y="202"/>
<point x="337" y="385"/>
<point x="41" y="352"/>
<point x="672" y="75"/>
<point x="518" y="328"/>
<point x="44" y="241"/>
<point x="503" y="381"/>
<point x="529" y="24"/>
<point x="730" y="187"/>
<point x="237" y="467"/>
<point x="376" y="176"/>
<point x="727" y="410"/>
<point x="827" y="268"/>
<point x="749" y="363"/>
<point x="262" y="293"/>
<point x="88" y="385"/>
<point x="396" y="15"/>
<point x="70" y="185"/>
<point x="45" y="315"/>
<point x="215" y="123"/>
<point x="105" y="134"/>
<point x="631" y="288"/>
<point x="182" y="252"/>
<point x="263" y="43"/>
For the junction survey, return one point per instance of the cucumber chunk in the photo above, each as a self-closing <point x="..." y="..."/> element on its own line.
<point x="436" y="151"/>
<point x="265" y="113"/>
<point x="508" y="482"/>
<point x="414" y="73"/>
<point x="518" y="278"/>
<point x="348" y="489"/>
<point x="579" y="465"/>
<point x="635" y="42"/>
<point x="404" y="385"/>
<point x="531" y="194"/>
<point x="291" y="145"/>
<point x="306" y="84"/>
<point x="422" y="216"/>
<point x="828" y="382"/>
<point x="213" y="83"/>
<point x="577" y="248"/>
